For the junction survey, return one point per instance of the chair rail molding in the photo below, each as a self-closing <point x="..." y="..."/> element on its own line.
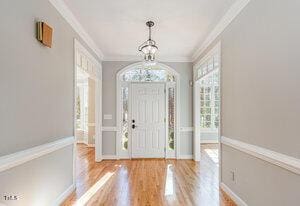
<point x="209" y="141"/>
<point x="109" y="129"/>
<point x="284" y="161"/>
<point x="21" y="157"/>
<point x="186" y="129"/>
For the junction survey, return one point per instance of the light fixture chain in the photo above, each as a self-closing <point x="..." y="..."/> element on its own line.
<point x="149" y="32"/>
<point x="149" y="47"/>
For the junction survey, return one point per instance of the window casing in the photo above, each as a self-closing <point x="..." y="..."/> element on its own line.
<point x="208" y="74"/>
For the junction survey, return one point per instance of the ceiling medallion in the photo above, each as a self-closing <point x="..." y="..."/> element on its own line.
<point x="149" y="48"/>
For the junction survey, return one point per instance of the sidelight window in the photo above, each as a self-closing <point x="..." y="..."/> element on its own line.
<point x="171" y="117"/>
<point x="125" y="117"/>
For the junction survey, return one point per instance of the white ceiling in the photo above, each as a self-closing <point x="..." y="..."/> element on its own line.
<point x="118" y="26"/>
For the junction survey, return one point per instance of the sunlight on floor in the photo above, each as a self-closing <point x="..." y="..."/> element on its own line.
<point x="213" y="155"/>
<point x="89" y="194"/>
<point x="169" y="187"/>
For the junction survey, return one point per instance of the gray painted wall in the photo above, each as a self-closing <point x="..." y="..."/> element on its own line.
<point x="110" y="69"/>
<point x="260" y="99"/>
<point x="40" y="181"/>
<point x="36" y="86"/>
<point x="209" y="136"/>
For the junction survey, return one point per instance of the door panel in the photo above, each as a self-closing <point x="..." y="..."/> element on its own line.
<point x="148" y="112"/>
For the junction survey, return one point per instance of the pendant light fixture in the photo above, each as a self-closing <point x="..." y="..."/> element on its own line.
<point x="149" y="48"/>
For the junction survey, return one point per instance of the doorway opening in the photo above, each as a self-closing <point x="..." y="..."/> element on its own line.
<point x="85" y="108"/>
<point x="87" y="102"/>
<point x="147" y="115"/>
<point x="207" y="104"/>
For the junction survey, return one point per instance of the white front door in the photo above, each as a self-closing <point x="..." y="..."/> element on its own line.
<point x="148" y="118"/>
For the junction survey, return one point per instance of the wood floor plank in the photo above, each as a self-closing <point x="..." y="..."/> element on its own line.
<point x="147" y="182"/>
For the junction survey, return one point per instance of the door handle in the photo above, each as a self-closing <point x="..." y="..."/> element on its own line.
<point x="133" y="126"/>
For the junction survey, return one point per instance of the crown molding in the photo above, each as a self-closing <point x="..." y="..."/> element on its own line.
<point x="234" y="10"/>
<point x="175" y="59"/>
<point x="132" y="58"/>
<point x="126" y="58"/>
<point x="230" y="15"/>
<point x="63" y="9"/>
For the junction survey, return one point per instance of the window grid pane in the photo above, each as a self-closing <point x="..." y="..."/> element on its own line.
<point x="148" y="75"/>
<point x="210" y="95"/>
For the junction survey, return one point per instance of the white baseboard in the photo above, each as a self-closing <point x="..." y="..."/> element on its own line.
<point x="114" y="157"/>
<point x="81" y="142"/>
<point x="232" y="195"/>
<point x="208" y="141"/>
<point x="109" y="129"/>
<point x="64" y="195"/>
<point x="99" y="159"/>
<point x="86" y="144"/>
<point x="186" y="157"/>
<point x="123" y="158"/>
<point x="109" y="157"/>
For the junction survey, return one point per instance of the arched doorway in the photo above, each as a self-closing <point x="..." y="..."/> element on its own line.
<point x="156" y="79"/>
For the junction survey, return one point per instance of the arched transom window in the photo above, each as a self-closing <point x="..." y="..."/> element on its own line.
<point x="148" y="75"/>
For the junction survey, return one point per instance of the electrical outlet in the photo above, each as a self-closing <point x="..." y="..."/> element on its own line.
<point x="232" y="176"/>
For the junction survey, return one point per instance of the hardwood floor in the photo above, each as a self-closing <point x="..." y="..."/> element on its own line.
<point x="148" y="182"/>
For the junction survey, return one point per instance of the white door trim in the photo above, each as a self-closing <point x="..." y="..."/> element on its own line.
<point x="196" y="100"/>
<point x="196" y="107"/>
<point x="98" y="100"/>
<point x="119" y="106"/>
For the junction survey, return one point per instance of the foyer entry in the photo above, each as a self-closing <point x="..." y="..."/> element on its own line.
<point x="148" y="120"/>
<point x="148" y="115"/>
